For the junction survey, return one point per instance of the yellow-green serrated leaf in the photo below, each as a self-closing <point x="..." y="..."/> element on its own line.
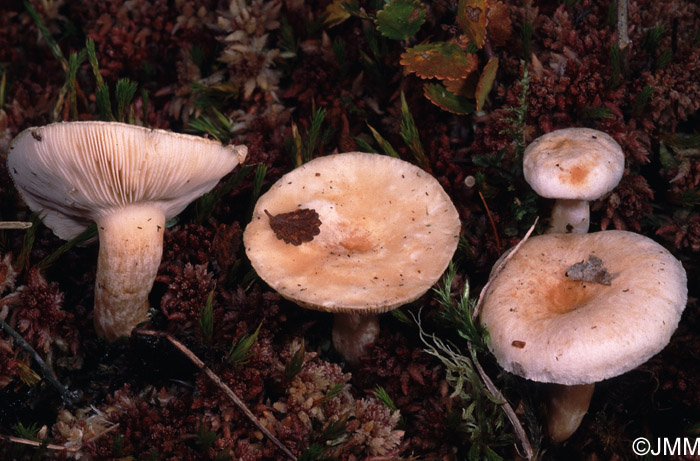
<point x="336" y="13"/>
<point x="472" y="18"/>
<point x="400" y="19"/>
<point x="438" y="95"/>
<point x="442" y="60"/>
<point x="483" y="88"/>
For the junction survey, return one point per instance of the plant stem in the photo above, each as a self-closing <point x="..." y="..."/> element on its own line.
<point x="227" y="390"/>
<point x="48" y="374"/>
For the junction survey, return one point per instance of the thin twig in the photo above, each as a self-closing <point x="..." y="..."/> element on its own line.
<point x="493" y="223"/>
<point x="227" y="390"/>
<point x="507" y="409"/>
<point x="623" y="38"/>
<point x="46" y="371"/>
<point x="15" y="225"/>
<point x="34" y="443"/>
<point x="496" y="270"/>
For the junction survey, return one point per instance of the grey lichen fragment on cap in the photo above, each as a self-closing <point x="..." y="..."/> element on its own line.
<point x="547" y="327"/>
<point x="388" y="231"/>
<point x="573" y="163"/>
<point x="73" y="172"/>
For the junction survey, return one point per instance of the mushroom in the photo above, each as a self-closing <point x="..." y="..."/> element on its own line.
<point x="576" y="309"/>
<point x="353" y="234"/>
<point x="573" y="166"/>
<point x="127" y="179"/>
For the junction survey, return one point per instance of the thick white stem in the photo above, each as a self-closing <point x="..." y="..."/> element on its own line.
<point x="131" y="246"/>
<point x="352" y="334"/>
<point x="566" y="407"/>
<point x="570" y="217"/>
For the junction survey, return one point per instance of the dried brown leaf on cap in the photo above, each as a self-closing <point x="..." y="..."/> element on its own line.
<point x="295" y="227"/>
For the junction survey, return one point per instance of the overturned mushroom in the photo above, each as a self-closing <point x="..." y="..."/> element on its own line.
<point x="354" y="234"/>
<point x="573" y="310"/>
<point x="573" y="166"/>
<point x="129" y="180"/>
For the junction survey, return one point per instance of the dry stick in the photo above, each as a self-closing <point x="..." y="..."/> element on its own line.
<point x="34" y="443"/>
<point x="507" y="409"/>
<point x="48" y="374"/>
<point x="493" y="224"/>
<point x="15" y="225"/>
<point x="520" y="432"/>
<point x="227" y="390"/>
<point x="500" y="267"/>
<point x="623" y="38"/>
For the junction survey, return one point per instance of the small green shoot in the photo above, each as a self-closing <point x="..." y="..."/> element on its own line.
<point x="296" y="364"/>
<point x="384" y="145"/>
<point x="104" y="105"/>
<point x="124" y="93"/>
<point x="459" y="313"/>
<point x="118" y="445"/>
<point x="381" y="394"/>
<point x="28" y="242"/>
<point x="401" y="316"/>
<point x="27" y="432"/>
<point x="313" y="453"/>
<point x="615" y="67"/>
<point x="518" y="115"/>
<point x="409" y="133"/>
<point x="70" y="68"/>
<point x="205" y="438"/>
<point x="3" y="87"/>
<point x="219" y="127"/>
<point x="206" y="318"/>
<point x="641" y="101"/>
<point x="333" y="392"/>
<point x="87" y="234"/>
<point x="340" y="57"/>
<point x="288" y="42"/>
<point x="652" y="38"/>
<point x="335" y="429"/>
<point x="363" y="145"/>
<point x="595" y="113"/>
<point x="258" y="180"/>
<point x="303" y="148"/>
<point x="53" y="45"/>
<point x="663" y="60"/>
<point x="242" y="349"/>
<point x="204" y="207"/>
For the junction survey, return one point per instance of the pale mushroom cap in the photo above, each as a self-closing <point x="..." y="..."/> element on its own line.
<point x="573" y="163"/>
<point x="547" y="327"/>
<point x="388" y="231"/>
<point x="74" y="172"/>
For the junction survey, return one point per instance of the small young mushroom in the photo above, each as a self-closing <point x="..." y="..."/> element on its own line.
<point x="354" y="234"/>
<point x="575" y="309"/>
<point x="127" y="179"/>
<point x="573" y="166"/>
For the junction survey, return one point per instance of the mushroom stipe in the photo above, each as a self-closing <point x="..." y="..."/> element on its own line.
<point x="129" y="180"/>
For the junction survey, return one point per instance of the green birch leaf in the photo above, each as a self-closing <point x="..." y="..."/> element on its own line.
<point x="438" y="95"/>
<point x="400" y="19"/>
